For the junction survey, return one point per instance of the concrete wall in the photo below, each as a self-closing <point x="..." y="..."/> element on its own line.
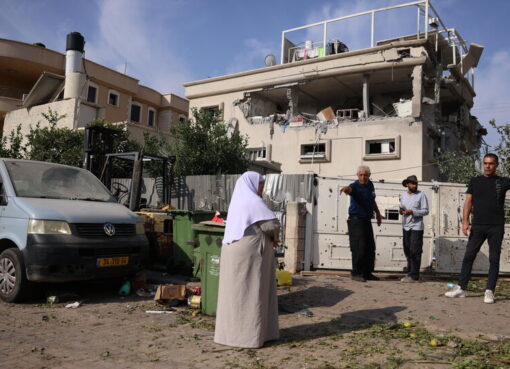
<point x="295" y="236"/>
<point x="347" y="142"/>
<point x="30" y="117"/>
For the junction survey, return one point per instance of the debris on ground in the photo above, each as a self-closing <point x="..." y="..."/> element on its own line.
<point x="73" y="305"/>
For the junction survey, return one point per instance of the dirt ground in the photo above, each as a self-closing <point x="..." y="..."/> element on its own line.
<point x="351" y="325"/>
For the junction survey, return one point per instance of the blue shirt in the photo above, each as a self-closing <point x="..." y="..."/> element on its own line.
<point x="362" y="200"/>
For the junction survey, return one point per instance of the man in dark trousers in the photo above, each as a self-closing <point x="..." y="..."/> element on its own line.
<point x="413" y="207"/>
<point x="485" y="197"/>
<point x="361" y="235"/>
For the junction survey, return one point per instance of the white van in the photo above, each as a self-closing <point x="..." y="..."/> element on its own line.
<point x="60" y="223"/>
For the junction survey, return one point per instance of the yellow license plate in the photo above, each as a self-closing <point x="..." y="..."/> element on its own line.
<point x="110" y="262"/>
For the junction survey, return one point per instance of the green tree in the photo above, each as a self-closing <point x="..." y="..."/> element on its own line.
<point x="56" y="145"/>
<point x="458" y="167"/>
<point x="202" y="146"/>
<point x="502" y="149"/>
<point x="12" y="145"/>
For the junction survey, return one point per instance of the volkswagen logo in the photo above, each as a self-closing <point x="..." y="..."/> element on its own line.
<point x="109" y="229"/>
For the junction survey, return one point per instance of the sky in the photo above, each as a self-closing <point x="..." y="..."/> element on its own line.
<point x="164" y="43"/>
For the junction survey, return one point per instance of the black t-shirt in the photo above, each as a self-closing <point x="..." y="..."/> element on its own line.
<point x="488" y="199"/>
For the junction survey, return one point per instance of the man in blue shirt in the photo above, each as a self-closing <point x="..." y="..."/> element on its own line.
<point x="361" y="234"/>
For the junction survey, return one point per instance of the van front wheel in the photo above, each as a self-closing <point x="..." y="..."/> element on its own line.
<point x="13" y="281"/>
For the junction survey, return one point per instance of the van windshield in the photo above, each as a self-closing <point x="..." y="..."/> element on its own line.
<point x="52" y="181"/>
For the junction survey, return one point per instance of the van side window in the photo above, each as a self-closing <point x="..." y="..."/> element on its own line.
<point x="3" y="198"/>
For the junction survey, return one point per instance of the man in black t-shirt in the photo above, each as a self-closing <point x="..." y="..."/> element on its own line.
<point x="485" y="197"/>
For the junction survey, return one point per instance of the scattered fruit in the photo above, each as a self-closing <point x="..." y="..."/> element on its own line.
<point x="413" y="335"/>
<point x="433" y="342"/>
<point x="408" y="324"/>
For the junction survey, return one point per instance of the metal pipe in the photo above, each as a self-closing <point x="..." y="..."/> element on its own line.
<point x="426" y="25"/>
<point x="325" y="37"/>
<point x="418" y="22"/>
<point x="372" y="26"/>
<point x="283" y="46"/>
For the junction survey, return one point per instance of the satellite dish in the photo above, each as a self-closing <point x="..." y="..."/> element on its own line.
<point x="270" y="60"/>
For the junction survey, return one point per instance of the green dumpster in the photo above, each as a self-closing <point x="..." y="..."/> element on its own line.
<point x="209" y="240"/>
<point x="183" y="241"/>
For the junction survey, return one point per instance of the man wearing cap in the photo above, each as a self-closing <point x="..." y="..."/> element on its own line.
<point x="413" y="207"/>
<point x="361" y="234"/>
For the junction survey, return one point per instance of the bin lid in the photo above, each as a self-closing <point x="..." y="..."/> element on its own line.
<point x="208" y="228"/>
<point x="189" y="212"/>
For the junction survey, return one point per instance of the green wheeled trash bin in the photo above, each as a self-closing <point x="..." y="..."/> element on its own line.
<point x="183" y="237"/>
<point x="209" y="238"/>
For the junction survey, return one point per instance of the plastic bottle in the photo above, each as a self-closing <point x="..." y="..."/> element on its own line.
<point x="450" y="285"/>
<point x="125" y="289"/>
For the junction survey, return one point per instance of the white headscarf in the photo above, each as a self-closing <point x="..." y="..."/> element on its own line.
<point x="246" y="207"/>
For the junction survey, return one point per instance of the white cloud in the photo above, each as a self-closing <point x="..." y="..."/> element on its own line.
<point x="128" y="34"/>
<point x="251" y="56"/>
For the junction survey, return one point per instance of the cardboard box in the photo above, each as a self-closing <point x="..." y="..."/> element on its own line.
<point x="170" y="292"/>
<point x="326" y="114"/>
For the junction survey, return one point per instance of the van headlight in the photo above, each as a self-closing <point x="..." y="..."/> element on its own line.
<point x="140" y="228"/>
<point x="36" y="226"/>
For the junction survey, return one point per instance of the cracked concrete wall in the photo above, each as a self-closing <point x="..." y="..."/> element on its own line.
<point x="347" y="142"/>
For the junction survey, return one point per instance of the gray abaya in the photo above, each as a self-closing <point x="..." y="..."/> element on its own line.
<point x="247" y="312"/>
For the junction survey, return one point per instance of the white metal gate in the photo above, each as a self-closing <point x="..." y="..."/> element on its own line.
<point x="443" y="239"/>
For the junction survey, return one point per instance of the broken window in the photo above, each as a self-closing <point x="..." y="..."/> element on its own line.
<point x="391" y="214"/>
<point x="380" y="147"/>
<point x="136" y="112"/>
<point x="389" y="207"/>
<point x="214" y="110"/>
<point x="257" y="154"/>
<point x="319" y="152"/>
<point x="313" y="151"/>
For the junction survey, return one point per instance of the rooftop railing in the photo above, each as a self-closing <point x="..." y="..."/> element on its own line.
<point x="427" y="21"/>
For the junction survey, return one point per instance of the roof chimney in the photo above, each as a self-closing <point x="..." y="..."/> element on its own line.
<point x="75" y="79"/>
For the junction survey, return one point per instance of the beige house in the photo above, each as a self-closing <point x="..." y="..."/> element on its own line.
<point x="395" y="105"/>
<point x="34" y="78"/>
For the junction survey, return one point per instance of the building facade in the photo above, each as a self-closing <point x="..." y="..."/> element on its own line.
<point x="396" y="105"/>
<point x="34" y="78"/>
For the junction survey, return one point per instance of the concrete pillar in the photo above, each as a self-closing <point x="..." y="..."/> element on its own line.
<point x="366" y="95"/>
<point x="417" y="91"/>
<point x="295" y="236"/>
<point x="293" y="98"/>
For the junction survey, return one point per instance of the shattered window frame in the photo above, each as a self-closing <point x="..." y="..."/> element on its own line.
<point x="392" y="150"/>
<point x="319" y="152"/>
<point x="259" y="153"/>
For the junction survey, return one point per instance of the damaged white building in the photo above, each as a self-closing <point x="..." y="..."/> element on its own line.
<point x="395" y="105"/>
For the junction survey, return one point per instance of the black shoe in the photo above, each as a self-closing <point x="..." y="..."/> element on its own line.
<point x="372" y="277"/>
<point x="358" y="278"/>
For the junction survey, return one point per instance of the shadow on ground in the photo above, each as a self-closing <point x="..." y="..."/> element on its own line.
<point x="315" y="296"/>
<point x="345" y="323"/>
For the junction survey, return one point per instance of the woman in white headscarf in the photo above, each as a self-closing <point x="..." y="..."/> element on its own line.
<point x="247" y="312"/>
